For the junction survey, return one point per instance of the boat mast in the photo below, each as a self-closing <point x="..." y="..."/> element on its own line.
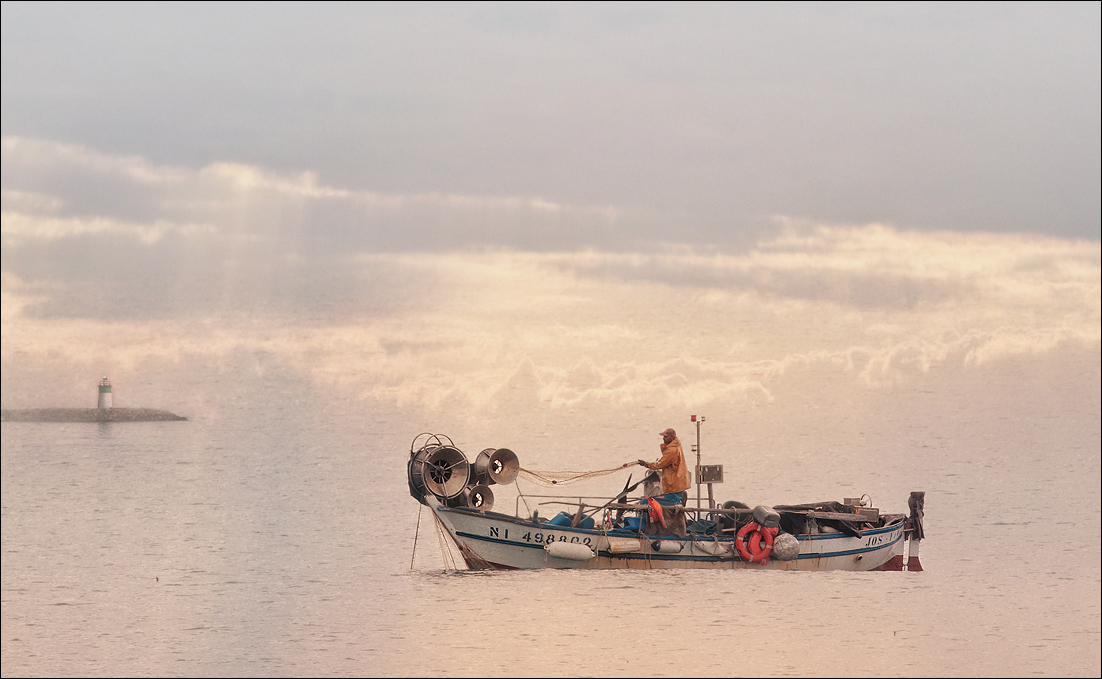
<point x="697" y="449"/>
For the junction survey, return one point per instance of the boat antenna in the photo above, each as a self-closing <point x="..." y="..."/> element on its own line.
<point x="698" y="421"/>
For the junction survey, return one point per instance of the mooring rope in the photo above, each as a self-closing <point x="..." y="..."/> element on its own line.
<point x="445" y="549"/>
<point x="549" y="479"/>
<point x="415" y="533"/>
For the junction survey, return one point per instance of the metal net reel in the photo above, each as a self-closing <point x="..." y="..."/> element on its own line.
<point x="440" y="469"/>
<point x="437" y="468"/>
<point x="496" y="465"/>
<point x="479" y="496"/>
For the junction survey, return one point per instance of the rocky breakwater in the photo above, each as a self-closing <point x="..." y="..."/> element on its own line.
<point x="89" y="415"/>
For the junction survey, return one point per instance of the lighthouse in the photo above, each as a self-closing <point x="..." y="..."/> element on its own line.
<point x="104" y="394"/>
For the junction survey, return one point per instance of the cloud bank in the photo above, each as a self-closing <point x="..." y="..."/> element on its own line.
<point x="227" y="261"/>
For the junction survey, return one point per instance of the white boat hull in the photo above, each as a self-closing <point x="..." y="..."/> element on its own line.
<point x="488" y="540"/>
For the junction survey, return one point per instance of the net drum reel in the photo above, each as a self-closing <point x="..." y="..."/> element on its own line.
<point x="438" y="468"/>
<point x="479" y="496"/>
<point x="474" y="496"/>
<point x="493" y="465"/>
<point x="496" y="465"/>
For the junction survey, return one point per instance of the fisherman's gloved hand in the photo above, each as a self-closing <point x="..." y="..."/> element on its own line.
<point x="642" y="463"/>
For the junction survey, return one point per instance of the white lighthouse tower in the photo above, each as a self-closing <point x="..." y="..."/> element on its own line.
<point x="104" y="394"/>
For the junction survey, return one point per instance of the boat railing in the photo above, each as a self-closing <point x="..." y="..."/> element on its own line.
<point x="581" y="502"/>
<point x="593" y="503"/>
<point x="590" y="504"/>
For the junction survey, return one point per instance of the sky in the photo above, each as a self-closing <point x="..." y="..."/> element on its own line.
<point x="448" y="206"/>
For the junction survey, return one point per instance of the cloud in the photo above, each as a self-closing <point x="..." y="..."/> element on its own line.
<point x="17" y="228"/>
<point x="286" y="214"/>
<point x="115" y="227"/>
<point x="499" y="332"/>
<point x="431" y="299"/>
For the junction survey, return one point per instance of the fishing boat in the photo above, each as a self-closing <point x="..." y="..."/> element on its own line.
<point x="648" y="530"/>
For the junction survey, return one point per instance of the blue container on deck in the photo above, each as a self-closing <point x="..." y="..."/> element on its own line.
<point x="564" y="519"/>
<point x="640" y="522"/>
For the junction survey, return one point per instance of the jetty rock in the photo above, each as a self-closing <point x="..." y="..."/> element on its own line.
<point x="89" y="415"/>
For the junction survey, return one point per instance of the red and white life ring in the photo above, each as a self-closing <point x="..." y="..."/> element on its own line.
<point x="756" y="552"/>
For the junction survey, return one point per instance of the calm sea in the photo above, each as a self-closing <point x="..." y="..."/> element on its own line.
<point x="273" y="534"/>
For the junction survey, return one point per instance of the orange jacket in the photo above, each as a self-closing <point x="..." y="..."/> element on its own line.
<point x="675" y="473"/>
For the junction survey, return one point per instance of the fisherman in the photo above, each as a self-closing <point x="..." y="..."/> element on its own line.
<point x="675" y="473"/>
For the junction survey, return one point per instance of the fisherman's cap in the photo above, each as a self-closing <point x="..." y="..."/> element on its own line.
<point x="671" y="432"/>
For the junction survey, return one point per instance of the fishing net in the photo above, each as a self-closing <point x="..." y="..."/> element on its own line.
<point x="554" y="479"/>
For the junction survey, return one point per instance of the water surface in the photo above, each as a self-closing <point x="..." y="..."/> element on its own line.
<point x="273" y="535"/>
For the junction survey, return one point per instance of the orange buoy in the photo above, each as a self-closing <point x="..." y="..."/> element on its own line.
<point x="656" y="511"/>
